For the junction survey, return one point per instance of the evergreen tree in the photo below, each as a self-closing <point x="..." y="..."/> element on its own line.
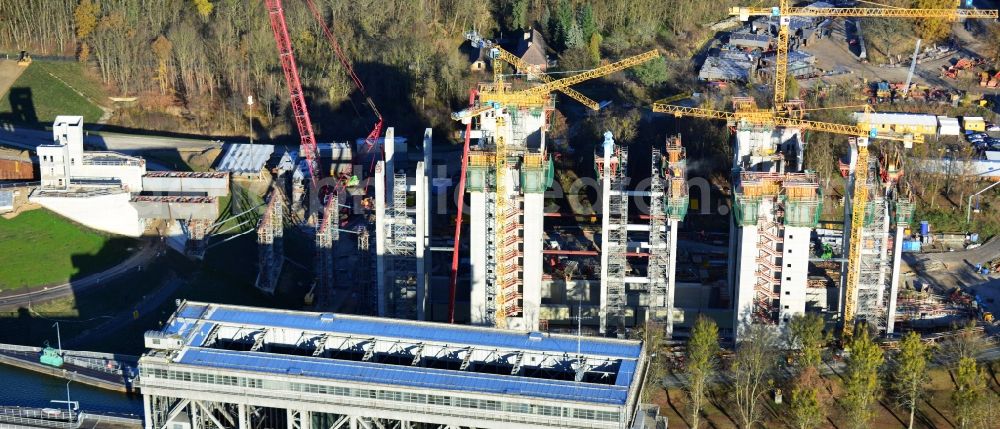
<point x="519" y="13"/>
<point x="805" y="333"/>
<point x="808" y="402"/>
<point x="653" y="72"/>
<point x="969" y="396"/>
<point x="587" y="23"/>
<point x="911" y="372"/>
<point x="594" y="47"/>
<point x="574" y="37"/>
<point x="565" y="21"/>
<point x="701" y="362"/>
<point x="862" y="381"/>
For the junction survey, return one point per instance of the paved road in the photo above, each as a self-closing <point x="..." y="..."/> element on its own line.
<point x="959" y="258"/>
<point x="28" y="138"/>
<point x="147" y="253"/>
<point x="146" y="305"/>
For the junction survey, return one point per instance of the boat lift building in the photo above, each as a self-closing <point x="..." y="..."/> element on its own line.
<point x="225" y="366"/>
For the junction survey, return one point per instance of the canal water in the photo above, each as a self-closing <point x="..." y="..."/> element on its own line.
<point x="30" y="389"/>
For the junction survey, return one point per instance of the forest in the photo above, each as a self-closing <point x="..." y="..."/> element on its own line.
<point x="193" y="63"/>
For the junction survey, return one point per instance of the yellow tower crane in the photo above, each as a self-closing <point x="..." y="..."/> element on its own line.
<point x="784" y="12"/>
<point x="860" y="195"/>
<point x="859" y="201"/>
<point x="498" y="94"/>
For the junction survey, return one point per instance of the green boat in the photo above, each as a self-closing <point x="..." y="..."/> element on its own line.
<point x="50" y="357"/>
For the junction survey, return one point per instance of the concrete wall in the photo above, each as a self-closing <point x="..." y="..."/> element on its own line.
<point x="532" y="261"/>
<point x="477" y="256"/>
<point x="210" y="186"/>
<point x="68" y="131"/>
<point x="176" y="210"/>
<point x="746" y="277"/>
<point x="129" y="175"/>
<point x="110" y="213"/>
<point x="53" y="166"/>
<point x="794" y="272"/>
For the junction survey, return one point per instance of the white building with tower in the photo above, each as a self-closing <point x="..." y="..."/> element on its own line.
<point x="113" y="192"/>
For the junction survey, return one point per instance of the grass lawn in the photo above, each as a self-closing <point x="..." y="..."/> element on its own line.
<point x="37" y="97"/>
<point x="39" y="247"/>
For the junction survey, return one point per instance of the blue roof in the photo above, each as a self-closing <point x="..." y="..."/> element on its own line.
<point x="368" y="372"/>
<point x="419" y="331"/>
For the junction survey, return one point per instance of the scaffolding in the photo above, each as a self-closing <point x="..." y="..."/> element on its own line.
<point x="658" y="269"/>
<point x="363" y="273"/>
<point x="270" y="249"/>
<point x="617" y="237"/>
<point x="888" y="209"/>
<point x="674" y="172"/>
<point x="401" y="249"/>
<point x="874" y="264"/>
<point x="327" y="234"/>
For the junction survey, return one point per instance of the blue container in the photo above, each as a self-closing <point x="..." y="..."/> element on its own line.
<point x="911" y="246"/>
<point x="974" y="237"/>
<point x="925" y="227"/>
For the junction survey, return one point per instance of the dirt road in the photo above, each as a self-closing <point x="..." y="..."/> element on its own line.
<point x="9" y="72"/>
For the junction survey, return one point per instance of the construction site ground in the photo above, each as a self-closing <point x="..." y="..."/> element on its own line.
<point x="834" y="54"/>
<point x="945" y="271"/>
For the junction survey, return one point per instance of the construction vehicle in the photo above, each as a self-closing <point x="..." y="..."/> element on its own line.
<point x="953" y="71"/>
<point x="24" y="59"/>
<point x="51" y="357"/>
<point x="987" y="81"/>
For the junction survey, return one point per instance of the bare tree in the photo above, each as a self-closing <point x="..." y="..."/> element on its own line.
<point x="967" y="342"/>
<point x="701" y="362"/>
<point x="751" y="370"/>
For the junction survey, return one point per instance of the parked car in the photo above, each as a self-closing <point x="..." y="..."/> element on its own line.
<point x="977" y="136"/>
<point x="992" y="127"/>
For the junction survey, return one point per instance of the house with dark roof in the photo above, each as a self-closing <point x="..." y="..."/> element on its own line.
<point x="532" y="50"/>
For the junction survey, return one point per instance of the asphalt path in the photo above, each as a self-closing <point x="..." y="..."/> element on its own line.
<point x="29" y="138"/>
<point x="147" y="253"/>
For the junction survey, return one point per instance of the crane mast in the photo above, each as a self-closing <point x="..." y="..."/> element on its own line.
<point x="858" y="204"/>
<point x="307" y="142"/>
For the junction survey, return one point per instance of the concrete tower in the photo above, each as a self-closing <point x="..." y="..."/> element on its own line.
<point x="508" y="174"/>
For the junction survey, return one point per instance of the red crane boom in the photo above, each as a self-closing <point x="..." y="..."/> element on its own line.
<point x="453" y="280"/>
<point x="346" y="62"/>
<point x="307" y="144"/>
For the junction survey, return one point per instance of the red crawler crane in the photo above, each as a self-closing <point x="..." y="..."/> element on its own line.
<point x="307" y="145"/>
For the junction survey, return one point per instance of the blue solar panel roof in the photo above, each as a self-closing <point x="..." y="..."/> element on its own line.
<point x="419" y="331"/>
<point x="368" y="372"/>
